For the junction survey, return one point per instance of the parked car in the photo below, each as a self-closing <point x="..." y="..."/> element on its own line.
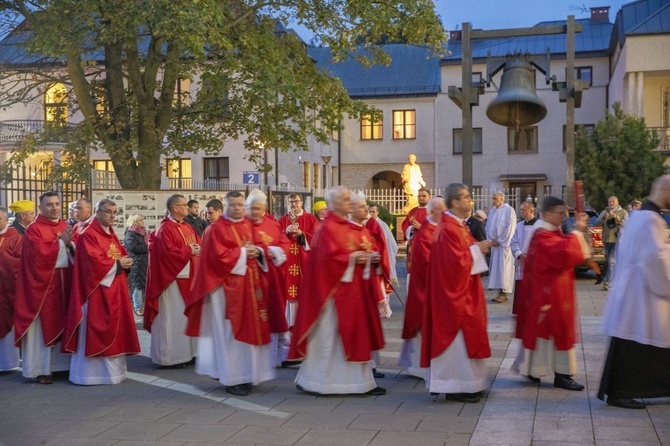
<point x="594" y="236"/>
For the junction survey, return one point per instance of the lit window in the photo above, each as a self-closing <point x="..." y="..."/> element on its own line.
<point x="404" y="124"/>
<point x="103" y="165"/>
<point x="55" y="104"/>
<point x="179" y="173"/>
<point x="182" y="92"/>
<point x="371" y="129"/>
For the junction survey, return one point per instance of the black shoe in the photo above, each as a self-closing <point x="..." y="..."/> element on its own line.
<point x="285" y="364"/>
<point x="463" y="397"/>
<point x="566" y="382"/>
<point x="535" y="379"/>
<point x="377" y="374"/>
<point x="599" y="279"/>
<point x="626" y="403"/>
<point x="191" y="362"/>
<point x="238" y="390"/>
<point x="376" y="391"/>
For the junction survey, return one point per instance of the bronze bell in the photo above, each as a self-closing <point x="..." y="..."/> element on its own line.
<point x="517" y="105"/>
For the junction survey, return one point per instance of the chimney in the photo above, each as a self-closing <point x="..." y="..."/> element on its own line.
<point x="454" y="35"/>
<point x="600" y="14"/>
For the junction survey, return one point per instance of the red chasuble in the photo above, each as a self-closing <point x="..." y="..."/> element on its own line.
<point x="297" y="256"/>
<point x="455" y="299"/>
<point x="549" y="270"/>
<point x="11" y="244"/>
<point x="416" y="214"/>
<point x="416" y="294"/>
<point x="41" y="288"/>
<point x="169" y="252"/>
<point x="110" y="327"/>
<point x="269" y="233"/>
<point x="355" y="302"/>
<point x="245" y="305"/>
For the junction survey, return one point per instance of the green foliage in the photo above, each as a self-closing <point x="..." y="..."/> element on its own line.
<point x="617" y="159"/>
<point x="384" y="214"/>
<point x="122" y="60"/>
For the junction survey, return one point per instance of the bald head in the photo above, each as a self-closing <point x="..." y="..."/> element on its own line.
<point x="435" y="208"/>
<point x="339" y="201"/>
<point x="660" y="192"/>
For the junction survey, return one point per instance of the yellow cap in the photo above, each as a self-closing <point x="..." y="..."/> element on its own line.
<point x="319" y="206"/>
<point x="22" y="206"/>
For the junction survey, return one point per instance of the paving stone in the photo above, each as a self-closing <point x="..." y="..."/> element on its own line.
<point x="336" y="437"/>
<point x="403" y="438"/>
<point x="322" y="420"/>
<point x="624" y="433"/>
<point x="386" y="422"/>
<point x="321" y="404"/>
<point x="202" y="433"/>
<point x="198" y="416"/>
<point x="450" y="424"/>
<point x="145" y="414"/>
<point x="269" y="435"/>
<point x="138" y="431"/>
<point x="77" y="429"/>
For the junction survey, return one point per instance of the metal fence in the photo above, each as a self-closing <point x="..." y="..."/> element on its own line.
<point x="394" y="199"/>
<point x="29" y="182"/>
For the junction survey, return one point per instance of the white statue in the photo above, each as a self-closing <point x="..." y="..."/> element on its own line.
<point x="412" y="181"/>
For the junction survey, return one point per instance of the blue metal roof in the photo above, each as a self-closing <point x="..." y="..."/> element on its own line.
<point x="594" y="38"/>
<point x="640" y="17"/>
<point x="413" y="70"/>
<point x="659" y="22"/>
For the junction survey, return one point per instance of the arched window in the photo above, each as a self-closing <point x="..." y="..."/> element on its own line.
<point x="55" y="105"/>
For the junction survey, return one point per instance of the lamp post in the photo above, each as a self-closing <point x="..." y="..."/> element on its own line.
<point x="326" y="159"/>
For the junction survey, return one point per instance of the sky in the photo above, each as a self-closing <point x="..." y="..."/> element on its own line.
<point x="495" y="14"/>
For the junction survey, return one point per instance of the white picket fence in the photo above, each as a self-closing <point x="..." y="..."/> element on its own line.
<point x="394" y="199"/>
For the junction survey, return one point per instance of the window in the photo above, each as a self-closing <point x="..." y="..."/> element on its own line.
<point x="523" y="140"/>
<point x="182" y="92"/>
<point x="371" y="129"/>
<point x="179" y="173"/>
<point x="579" y="128"/>
<point x="217" y="169"/>
<point x="585" y="74"/>
<point x="55" y="105"/>
<point x="458" y="141"/>
<point x="404" y="124"/>
<point x="103" y="165"/>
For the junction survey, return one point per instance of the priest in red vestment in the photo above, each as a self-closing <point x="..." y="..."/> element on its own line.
<point x="100" y="329"/>
<point x="454" y="338"/>
<point x="173" y="257"/>
<point x="410" y="354"/>
<point x="413" y="221"/>
<point x="299" y="227"/>
<point x="226" y="308"/>
<point x="270" y="237"/>
<point x="42" y="292"/>
<point x="337" y="325"/>
<point x="549" y="332"/>
<point x="11" y="244"/>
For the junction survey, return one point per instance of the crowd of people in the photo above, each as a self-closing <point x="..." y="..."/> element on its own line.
<point x="241" y="293"/>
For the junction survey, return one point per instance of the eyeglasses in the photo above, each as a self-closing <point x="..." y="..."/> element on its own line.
<point x="295" y="201"/>
<point x="109" y="212"/>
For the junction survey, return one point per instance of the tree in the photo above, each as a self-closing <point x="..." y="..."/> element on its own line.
<point x="618" y="158"/>
<point x="122" y="60"/>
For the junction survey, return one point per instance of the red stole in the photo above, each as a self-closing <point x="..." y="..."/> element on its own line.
<point x="11" y="244"/>
<point x="245" y="305"/>
<point x="41" y="288"/>
<point x="297" y="257"/>
<point x="455" y="299"/>
<point x="416" y="294"/>
<point x="416" y="214"/>
<point x="356" y="302"/>
<point x="169" y="252"/>
<point x="269" y="233"/>
<point x="549" y="273"/>
<point x="110" y="327"/>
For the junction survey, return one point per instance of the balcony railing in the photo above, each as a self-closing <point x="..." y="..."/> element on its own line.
<point x="664" y="135"/>
<point x="16" y="130"/>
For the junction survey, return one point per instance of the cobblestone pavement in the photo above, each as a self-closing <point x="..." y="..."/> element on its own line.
<point x="178" y="407"/>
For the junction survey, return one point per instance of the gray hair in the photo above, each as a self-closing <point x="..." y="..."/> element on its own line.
<point x="172" y="199"/>
<point x="133" y="219"/>
<point x="334" y="193"/>
<point x="499" y="194"/>
<point x="103" y="202"/>
<point x="453" y="192"/>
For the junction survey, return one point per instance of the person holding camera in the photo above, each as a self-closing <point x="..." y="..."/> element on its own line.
<point x="611" y="219"/>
